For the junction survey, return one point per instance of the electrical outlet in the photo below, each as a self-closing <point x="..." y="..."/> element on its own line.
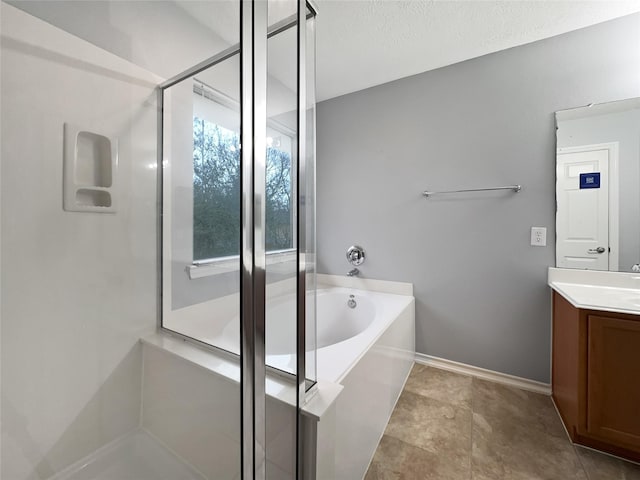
<point x="539" y="236"/>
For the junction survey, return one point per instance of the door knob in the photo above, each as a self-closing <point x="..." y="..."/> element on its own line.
<point x="596" y="250"/>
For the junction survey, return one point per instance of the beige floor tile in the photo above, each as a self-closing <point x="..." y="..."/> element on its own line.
<point x="529" y="454"/>
<point x="380" y="471"/>
<point x="451" y="427"/>
<point x="604" y="467"/>
<point x="517" y="436"/>
<point x="447" y="387"/>
<point x="431" y="425"/>
<point x="397" y="460"/>
<point x="515" y="409"/>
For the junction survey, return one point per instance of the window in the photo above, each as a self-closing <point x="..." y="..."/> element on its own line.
<point x="216" y="191"/>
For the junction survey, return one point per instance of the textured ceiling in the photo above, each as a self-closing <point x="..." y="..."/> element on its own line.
<point x="369" y="42"/>
<point x="360" y="43"/>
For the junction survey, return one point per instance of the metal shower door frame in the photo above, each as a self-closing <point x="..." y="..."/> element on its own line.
<point x="252" y="48"/>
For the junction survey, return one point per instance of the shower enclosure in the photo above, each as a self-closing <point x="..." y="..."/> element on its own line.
<point x="158" y="239"/>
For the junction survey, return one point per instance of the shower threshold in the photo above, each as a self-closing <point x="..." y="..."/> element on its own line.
<point x="136" y="456"/>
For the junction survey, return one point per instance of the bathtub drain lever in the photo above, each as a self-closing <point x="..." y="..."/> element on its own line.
<point x="352" y="301"/>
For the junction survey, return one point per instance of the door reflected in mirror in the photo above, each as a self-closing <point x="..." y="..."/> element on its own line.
<point x="598" y="187"/>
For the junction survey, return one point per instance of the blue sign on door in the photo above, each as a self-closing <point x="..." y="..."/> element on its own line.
<point x="590" y="180"/>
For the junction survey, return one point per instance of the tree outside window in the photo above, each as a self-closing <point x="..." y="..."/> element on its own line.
<point x="216" y="193"/>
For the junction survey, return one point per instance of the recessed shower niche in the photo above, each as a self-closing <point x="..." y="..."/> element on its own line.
<point x="90" y="166"/>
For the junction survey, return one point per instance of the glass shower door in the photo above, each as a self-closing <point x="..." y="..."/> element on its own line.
<point x="202" y="181"/>
<point x="238" y="264"/>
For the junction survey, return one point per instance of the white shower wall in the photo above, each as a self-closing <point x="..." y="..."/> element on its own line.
<point x="78" y="289"/>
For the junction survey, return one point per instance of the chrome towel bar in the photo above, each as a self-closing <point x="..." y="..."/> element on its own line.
<point x="515" y="188"/>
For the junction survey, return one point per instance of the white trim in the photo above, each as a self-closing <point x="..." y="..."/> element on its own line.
<point x="614" y="197"/>
<point x="382" y="286"/>
<point x="217" y="266"/>
<point x="484" y="374"/>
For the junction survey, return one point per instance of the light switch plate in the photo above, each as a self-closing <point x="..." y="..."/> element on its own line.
<point x="539" y="236"/>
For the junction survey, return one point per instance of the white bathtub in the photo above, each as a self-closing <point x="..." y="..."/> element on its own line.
<point x="345" y="334"/>
<point x="342" y="333"/>
<point x="372" y="366"/>
<point x="368" y="350"/>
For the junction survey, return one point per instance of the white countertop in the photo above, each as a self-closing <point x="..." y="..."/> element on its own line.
<point x="606" y="291"/>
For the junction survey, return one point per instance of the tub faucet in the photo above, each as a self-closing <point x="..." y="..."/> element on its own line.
<point x="353" y="273"/>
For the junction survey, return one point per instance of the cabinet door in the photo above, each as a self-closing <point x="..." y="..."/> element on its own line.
<point x="613" y="381"/>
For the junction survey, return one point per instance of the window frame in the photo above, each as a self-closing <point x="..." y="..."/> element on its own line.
<point x="200" y="268"/>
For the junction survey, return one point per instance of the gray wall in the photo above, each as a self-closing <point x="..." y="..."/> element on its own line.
<point x="481" y="294"/>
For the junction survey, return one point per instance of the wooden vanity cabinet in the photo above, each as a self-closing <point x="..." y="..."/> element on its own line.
<point x="596" y="377"/>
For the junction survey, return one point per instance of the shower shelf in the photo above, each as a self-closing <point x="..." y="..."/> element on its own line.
<point x="90" y="167"/>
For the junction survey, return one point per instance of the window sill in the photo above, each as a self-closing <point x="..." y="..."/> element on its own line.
<point x="219" y="266"/>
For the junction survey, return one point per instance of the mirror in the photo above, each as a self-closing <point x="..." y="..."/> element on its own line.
<point x="598" y="187"/>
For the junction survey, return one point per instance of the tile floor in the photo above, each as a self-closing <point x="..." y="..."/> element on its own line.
<point x="448" y="426"/>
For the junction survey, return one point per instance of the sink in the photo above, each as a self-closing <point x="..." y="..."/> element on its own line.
<point x="633" y="300"/>
<point x="597" y="297"/>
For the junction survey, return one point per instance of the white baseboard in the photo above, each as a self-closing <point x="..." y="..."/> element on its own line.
<point x="464" y="369"/>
